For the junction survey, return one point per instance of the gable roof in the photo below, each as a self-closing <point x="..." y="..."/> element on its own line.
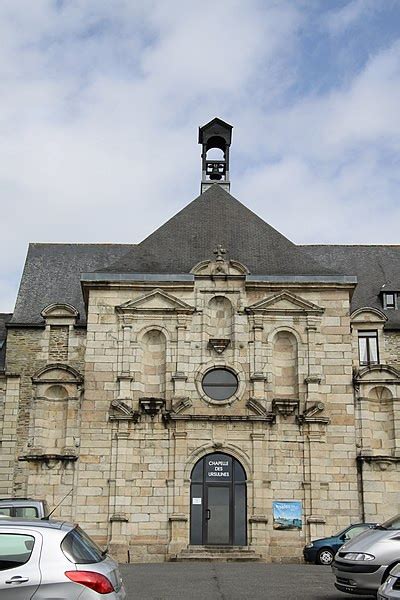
<point x="215" y="217"/>
<point x="52" y="271"/>
<point x="374" y="266"/>
<point x="52" y="274"/>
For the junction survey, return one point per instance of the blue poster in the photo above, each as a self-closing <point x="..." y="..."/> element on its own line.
<point x="287" y="515"/>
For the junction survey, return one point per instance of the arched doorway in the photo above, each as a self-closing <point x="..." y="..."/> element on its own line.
<point x="218" y="501"/>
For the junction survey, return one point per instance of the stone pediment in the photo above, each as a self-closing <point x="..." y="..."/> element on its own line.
<point x="284" y="303"/>
<point x="156" y="301"/>
<point x="377" y="374"/>
<point x="368" y="314"/>
<point x="60" y="314"/>
<point x="228" y="268"/>
<point x="59" y="310"/>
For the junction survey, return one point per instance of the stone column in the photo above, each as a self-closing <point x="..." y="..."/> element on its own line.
<point x="257" y="511"/>
<point x="9" y="435"/>
<point x="179" y="378"/>
<point x="126" y="354"/>
<point x="179" y="518"/>
<point x="118" y="529"/>
<point x="396" y="421"/>
<point x="313" y="378"/>
<point x="258" y="377"/>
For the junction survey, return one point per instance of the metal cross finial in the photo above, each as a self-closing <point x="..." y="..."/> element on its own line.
<point x="219" y="252"/>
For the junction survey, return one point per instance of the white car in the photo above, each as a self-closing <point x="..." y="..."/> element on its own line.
<point x="45" y="559"/>
<point x="390" y="589"/>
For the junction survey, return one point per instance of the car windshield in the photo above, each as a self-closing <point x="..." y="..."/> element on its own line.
<point x="342" y="532"/>
<point x="349" y="530"/>
<point x="393" y="523"/>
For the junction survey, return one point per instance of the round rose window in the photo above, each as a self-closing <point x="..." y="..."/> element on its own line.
<point x="220" y="384"/>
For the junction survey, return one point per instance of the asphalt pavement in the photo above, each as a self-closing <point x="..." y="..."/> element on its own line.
<point x="230" y="581"/>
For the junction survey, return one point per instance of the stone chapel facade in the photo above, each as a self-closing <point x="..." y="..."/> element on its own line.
<point x="215" y="386"/>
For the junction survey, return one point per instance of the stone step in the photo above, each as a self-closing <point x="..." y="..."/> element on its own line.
<point x="218" y="554"/>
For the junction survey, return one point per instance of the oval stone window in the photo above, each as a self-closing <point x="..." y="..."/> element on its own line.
<point x="220" y="384"/>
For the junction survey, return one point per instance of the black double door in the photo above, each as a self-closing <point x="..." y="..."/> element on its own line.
<point x="218" y="501"/>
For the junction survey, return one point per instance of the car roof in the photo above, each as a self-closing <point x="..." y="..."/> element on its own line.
<point x="357" y="524"/>
<point x="19" y="500"/>
<point x="37" y="523"/>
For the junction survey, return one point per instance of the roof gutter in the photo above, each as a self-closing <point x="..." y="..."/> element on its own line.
<point x="330" y="279"/>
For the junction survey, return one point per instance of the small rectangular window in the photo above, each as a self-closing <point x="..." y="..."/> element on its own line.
<point x="390" y="300"/>
<point x="368" y="347"/>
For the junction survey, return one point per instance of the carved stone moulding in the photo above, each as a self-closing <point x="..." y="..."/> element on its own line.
<point x="258" y="519"/>
<point x="285" y="406"/>
<point x="119" y="518"/>
<point x="219" y="345"/>
<point x="120" y="411"/>
<point x="151" y="406"/>
<point x="258" y="409"/>
<point x="383" y="462"/>
<point x="181" y="404"/>
<point x="44" y="457"/>
<point x="316" y="520"/>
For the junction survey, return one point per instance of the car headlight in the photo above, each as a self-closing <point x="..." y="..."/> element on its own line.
<point x="310" y="545"/>
<point x="358" y="556"/>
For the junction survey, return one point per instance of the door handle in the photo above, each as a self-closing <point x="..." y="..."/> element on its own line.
<point x="208" y="514"/>
<point x="18" y="579"/>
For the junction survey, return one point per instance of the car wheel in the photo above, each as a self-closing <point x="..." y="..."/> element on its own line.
<point x="324" y="557"/>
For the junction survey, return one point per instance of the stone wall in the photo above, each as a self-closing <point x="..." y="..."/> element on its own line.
<point x="143" y="420"/>
<point x="134" y="477"/>
<point x="27" y="354"/>
<point x="392" y="348"/>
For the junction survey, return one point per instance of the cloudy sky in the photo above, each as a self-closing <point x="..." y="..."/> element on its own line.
<point x="100" y="102"/>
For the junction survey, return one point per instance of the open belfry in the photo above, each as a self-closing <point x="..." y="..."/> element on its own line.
<point x="213" y="390"/>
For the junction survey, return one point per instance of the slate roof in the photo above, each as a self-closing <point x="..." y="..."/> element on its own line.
<point x="216" y="217"/>
<point x="52" y="274"/>
<point x="4" y="318"/>
<point x="374" y="267"/>
<point x="52" y="271"/>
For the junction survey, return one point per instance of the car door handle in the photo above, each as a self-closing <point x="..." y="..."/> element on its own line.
<point x="18" y="579"/>
<point x="208" y="514"/>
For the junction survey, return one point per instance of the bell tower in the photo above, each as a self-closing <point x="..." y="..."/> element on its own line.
<point x="215" y="138"/>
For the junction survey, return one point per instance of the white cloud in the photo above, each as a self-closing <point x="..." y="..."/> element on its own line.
<point x="339" y="20"/>
<point x="100" y="104"/>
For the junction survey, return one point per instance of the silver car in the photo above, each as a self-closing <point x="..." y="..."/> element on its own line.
<point x="52" y="559"/>
<point x="362" y="564"/>
<point x="390" y="590"/>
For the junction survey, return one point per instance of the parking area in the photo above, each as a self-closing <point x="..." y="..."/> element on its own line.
<point x="230" y="581"/>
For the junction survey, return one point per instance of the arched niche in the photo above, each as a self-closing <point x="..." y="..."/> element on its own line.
<point x="153" y="344"/>
<point x="54" y="414"/>
<point x="285" y="365"/>
<point x="220" y="318"/>
<point x="380" y="405"/>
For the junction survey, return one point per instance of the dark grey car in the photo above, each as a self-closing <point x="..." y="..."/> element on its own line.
<point x="362" y="564"/>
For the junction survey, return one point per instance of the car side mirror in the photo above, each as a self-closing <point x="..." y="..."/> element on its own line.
<point x="344" y="538"/>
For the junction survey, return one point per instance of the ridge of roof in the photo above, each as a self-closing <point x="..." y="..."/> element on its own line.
<point x="350" y="245"/>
